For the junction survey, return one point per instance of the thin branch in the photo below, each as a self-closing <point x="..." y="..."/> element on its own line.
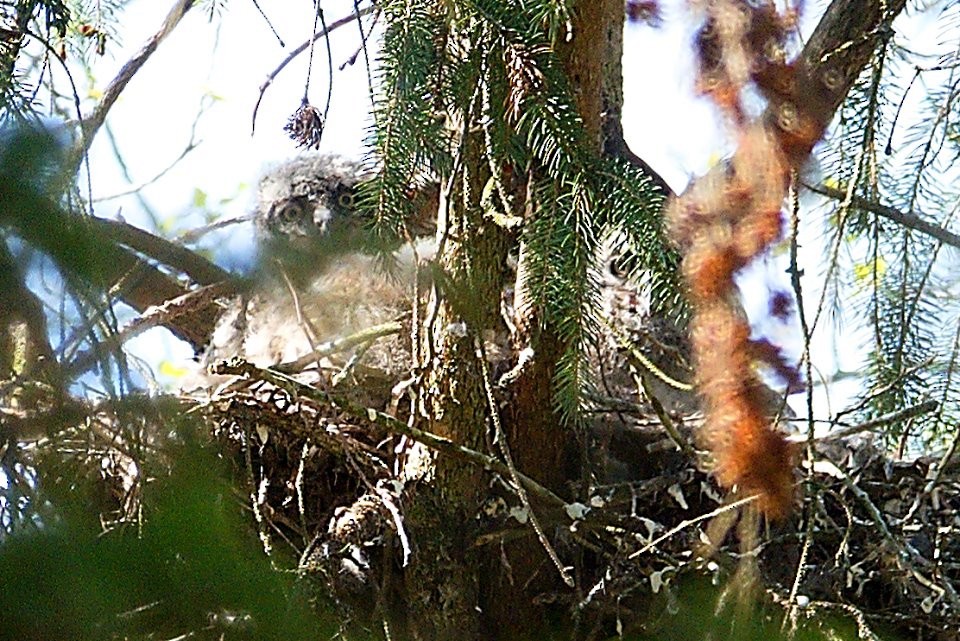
<point x="934" y="476"/>
<point x="844" y="41"/>
<point x="881" y="421"/>
<point x="874" y="393"/>
<point x="326" y="108"/>
<point x="92" y="123"/>
<point x="273" y="29"/>
<point x="726" y="507"/>
<point x="906" y="555"/>
<point x="910" y="220"/>
<point x="327" y="348"/>
<point x="165" y="314"/>
<point x="134" y="191"/>
<point x="296" y="52"/>
<point x="191" y="236"/>
<point x="192" y="144"/>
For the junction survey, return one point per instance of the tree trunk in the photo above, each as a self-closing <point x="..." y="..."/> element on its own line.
<point x="543" y="447"/>
<point x="443" y="585"/>
<point x="453" y="592"/>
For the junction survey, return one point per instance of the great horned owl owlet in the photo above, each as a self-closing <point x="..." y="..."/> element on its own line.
<point x="317" y="280"/>
<point x="306" y="208"/>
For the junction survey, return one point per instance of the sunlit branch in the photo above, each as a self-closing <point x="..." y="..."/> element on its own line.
<point x="912" y="221"/>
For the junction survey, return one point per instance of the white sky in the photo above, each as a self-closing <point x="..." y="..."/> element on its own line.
<point x="231" y="57"/>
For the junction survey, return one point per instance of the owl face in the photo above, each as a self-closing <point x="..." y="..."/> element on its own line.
<point x="306" y="211"/>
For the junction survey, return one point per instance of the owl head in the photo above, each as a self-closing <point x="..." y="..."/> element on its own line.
<point x="308" y="204"/>
<point x="308" y="214"/>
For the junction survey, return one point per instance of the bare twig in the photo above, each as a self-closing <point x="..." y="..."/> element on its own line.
<point x="273" y="29"/>
<point x="678" y="439"/>
<point x="51" y="54"/>
<point x="195" y="234"/>
<point x="165" y="314"/>
<point x="907" y="555"/>
<point x="80" y="249"/>
<point x="646" y="363"/>
<point x="323" y="23"/>
<point x="333" y="26"/>
<point x="326" y="348"/>
<point x="688" y="522"/>
<point x="192" y="144"/>
<point x="136" y="189"/>
<point x="884" y="388"/>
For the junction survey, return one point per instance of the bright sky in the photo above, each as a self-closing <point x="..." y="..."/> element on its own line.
<point x="228" y="59"/>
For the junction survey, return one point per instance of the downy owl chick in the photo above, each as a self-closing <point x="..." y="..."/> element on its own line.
<point x="318" y="280"/>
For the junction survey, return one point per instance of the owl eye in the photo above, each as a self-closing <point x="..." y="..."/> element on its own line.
<point x="616" y="268"/>
<point x="345" y="200"/>
<point x="290" y="211"/>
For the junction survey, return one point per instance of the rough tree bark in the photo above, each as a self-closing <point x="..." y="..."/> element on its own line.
<point x="443" y="585"/>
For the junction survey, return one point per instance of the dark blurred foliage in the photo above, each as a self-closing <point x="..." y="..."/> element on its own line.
<point x="195" y="567"/>
<point x="700" y="609"/>
<point x="32" y="191"/>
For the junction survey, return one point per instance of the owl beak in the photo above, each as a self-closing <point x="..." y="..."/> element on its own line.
<point x="321" y="220"/>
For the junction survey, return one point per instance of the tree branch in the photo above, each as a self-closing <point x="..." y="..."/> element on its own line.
<point x="835" y="54"/>
<point x="198" y="268"/>
<point x="898" y="416"/>
<point x="830" y="63"/>
<point x="25" y="349"/>
<point x="78" y="247"/>
<point x="167" y="314"/>
<point x="845" y="39"/>
<point x="92" y="123"/>
<point x="912" y="221"/>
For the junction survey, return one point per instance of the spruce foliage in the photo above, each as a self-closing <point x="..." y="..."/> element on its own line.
<point x="505" y="80"/>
